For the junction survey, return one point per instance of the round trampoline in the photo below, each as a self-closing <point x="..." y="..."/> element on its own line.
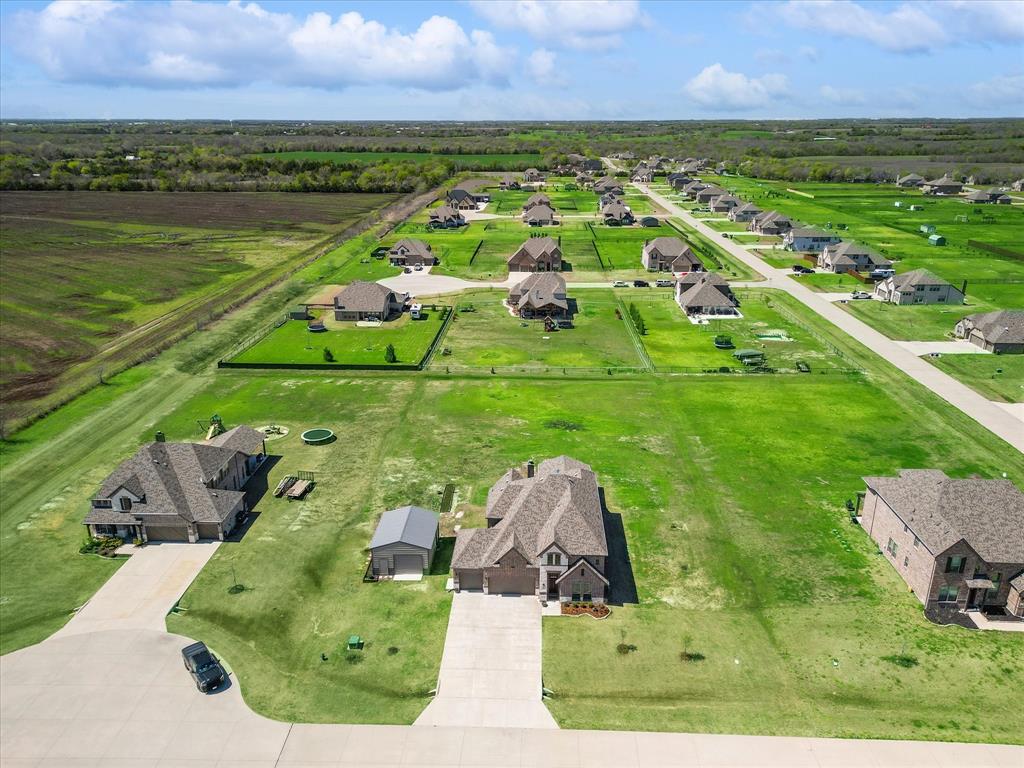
<point x="317" y="436"/>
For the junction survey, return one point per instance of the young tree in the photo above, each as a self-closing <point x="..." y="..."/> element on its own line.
<point x="389" y="354"/>
<point x="328" y="355"/>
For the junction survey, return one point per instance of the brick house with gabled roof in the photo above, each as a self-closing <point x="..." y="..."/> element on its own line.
<point x="541" y="294"/>
<point x="537" y="198"/>
<point x="362" y="300"/>
<point x="670" y="254"/>
<point x="545" y="536"/>
<point x="706" y="294"/>
<point x="179" y="491"/>
<point x="770" y="223"/>
<point x="537" y="254"/>
<point x="958" y="544"/>
<point x="1001" y="331"/>
<point x="847" y="255"/>
<point x="409" y="252"/>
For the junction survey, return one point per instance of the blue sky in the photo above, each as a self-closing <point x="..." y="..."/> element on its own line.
<point x="522" y="59"/>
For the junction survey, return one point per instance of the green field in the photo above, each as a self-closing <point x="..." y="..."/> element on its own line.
<point x="870" y="216"/>
<point x="997" y="377"/>
<point x="933" y="322"/>
<point x="490" y="336"/>
<point x="349" y="343"/>
<point x="673" y="341"/>
<point x="467" y="161"/>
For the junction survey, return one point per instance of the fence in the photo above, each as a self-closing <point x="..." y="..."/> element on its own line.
<point x="995" y="249"/>
<point x="789" y="315"/>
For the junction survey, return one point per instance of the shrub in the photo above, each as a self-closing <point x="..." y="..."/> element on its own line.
<point x="901" y="660"/>
<point x="354" y="658"/>
<point x="389" y="354"/>
<point x="392" y="650"/>
<point x="691" y="656"/>
<point x="328" y="355"/>
<point x="105" y="546"/>
<point x="625" y="648"/>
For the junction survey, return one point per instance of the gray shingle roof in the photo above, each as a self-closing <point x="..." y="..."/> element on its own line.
<point x="705" y="289"/>
<point x="987" y="514"/>
<point x="362" y="296"/>
<point x="407" y="525"/>
<point x="843" y="253"/>
<point x="412" y="245"/>
<point x="241" y="438"/>
<point x="559" y="505"/>
<point x="536" y="246"/>
<point x="539" y="289"/>
<point x="1005" y="326"/>
<point x="537" y="198"/>
<point x="540" y="213"/>
<point x="916" y="277"/>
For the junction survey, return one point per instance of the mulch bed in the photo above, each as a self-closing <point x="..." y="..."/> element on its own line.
<point x="597" y="610"/>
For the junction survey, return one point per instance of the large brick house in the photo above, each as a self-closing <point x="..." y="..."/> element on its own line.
<point x="1001" y="332"/>
<point x="541" y="294"/>
<point x="919" y="286"/>
<point x="770" y="223"/>
<point x="847" y="255"/>
<point x="362" y="300"/>
<point x="537" y="254"/>
<point x="179" y="491"/>
<point x="670" y="254"/>
<point x="545" y="536"/>
<point x="959" y="543"/>
<point x="706" y="294"/>
<point x="409" y="252"/>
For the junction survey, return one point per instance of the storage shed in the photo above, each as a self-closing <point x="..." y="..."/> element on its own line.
<point x="404" y="543"/>
<point x="936" y="240"/>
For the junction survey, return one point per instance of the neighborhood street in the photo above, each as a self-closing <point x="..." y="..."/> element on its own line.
<point x="985" y="412"/>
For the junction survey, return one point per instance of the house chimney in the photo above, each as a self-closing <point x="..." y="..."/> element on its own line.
<point x="160" y="437"/>
<point x="529" y="468"/>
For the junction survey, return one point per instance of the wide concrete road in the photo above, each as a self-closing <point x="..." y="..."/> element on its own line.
<point x="120" y="697"/>
<point x="985" y="412"/>
<point x="491" y="667"/>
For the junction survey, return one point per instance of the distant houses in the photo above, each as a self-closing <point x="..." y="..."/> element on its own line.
<point x="537" y="254"/>
<point x="724" y="203"/>
<point x="848" y="256"/>
<point x="541" y="294"/>
<point x="409" y="252"/>
<point x="994" y="196"/>
<point x="462" y="199"/>
<point x="706" y="295"/>
<point x="670" y="254"/>
<point x="532" y="176"/>
<point x="942" y="186"/>
<point x="608" y="185"/>
<point x="537" y="198"/>
<point x="808" y="239"/>
<point x="917" y="287"/>
<point x="1001" y="332"/>
<point x="540" y="216"/>
<point x="744" y="213"/>
<point x="910" y="180"/>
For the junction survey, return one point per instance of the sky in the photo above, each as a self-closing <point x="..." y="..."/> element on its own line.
<point x="508" y="60"/>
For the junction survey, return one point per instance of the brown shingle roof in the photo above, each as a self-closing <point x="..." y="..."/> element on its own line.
<point x="539" y="289"/>
<point x="1006" y="326"/>
<point x="362" y="296"/>
<point x="987" y="514"/>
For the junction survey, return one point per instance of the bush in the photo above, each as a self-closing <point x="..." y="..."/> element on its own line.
<point x="625" y="648"/>
<point x="389" y="354"/>
<point x="392" y="650"/>
<point x="691" y="656"/>
<point x="104" y="546"/>
<point x="328" y="355"/>
<point x="901" y="660"/>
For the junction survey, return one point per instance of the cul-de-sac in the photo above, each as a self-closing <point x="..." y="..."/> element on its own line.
<point x="394" y="410"/>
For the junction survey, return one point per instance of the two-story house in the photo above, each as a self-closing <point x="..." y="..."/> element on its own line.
<point x="537" y="254"/>
<point x="919" y="286"/>
<point x="957" y="543"/>
<point x="808" y="239"/>
<point x="545" y="536"/>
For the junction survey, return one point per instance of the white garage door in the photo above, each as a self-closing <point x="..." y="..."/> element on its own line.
<point x="407" y="565"/>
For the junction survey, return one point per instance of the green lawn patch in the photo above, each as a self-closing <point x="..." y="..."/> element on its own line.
<point x="997" y="377"/>
<point x="931" y="322"/>
<point x="348" y="343"/>
<point x="490" y="336"/>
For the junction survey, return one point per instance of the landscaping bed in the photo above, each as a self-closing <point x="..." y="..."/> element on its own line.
<point x="596" y="610"/>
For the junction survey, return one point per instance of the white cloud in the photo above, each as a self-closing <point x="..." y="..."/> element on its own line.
<point x="1005" y="92"/>
<point x="541" y="65"/>
<point x="586" y="24"/>
<point x="808" y="52"/>
<point x="842" y="96"/>
<point x="180" y="44"/>
<point x="911" y="27"/>
<point x="720" y="90"/>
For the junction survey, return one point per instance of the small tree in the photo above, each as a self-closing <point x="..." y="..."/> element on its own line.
<point x="389" y="354"/>
<point x="328" y="355"/>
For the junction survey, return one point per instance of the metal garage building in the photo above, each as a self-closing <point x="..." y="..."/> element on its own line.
<point x="403" y="544"/>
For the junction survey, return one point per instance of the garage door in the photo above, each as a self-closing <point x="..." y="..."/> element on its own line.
<point x="471" y="580"/>
<point x="408" y="564"/>
<point x="518" y="582"/>
<point x="208" y="530"/>
<point x="166" y="533"/>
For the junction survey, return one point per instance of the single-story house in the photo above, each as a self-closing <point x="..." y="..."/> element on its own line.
<point x="957" y="543"/>
<point x="545" y="536"/>
<point x="846" y="256"/>
<point x="445" y="217"/>
<point x="532" y="175"/>
<point x="537" y="254"/>
<point x="770" y="223"/>
<point x="608" y="185"/>
<point x="918" y="286"/>
<point x="670" y="254"/>
<point x="404" y="542"/>
<point x="1001" y="332"/>
<point x="706" y="195"/>
<point x="706" y="293"/>
<point x="724" y="203"/>
<point x="616" y="213"/>
<point x="910" y="180"/>
<point x="808" y="239"/>
<point x="409" y="252"/>
<point x="539" y="216"/>
<point x="745" y="212"/>
<point x="988" y="196"/>
<point x="541" y="294"/>
<point x="1018" y="185"/>
<point x="179" y="491"/>
<point x="462" y="199"/>
<point x="362" y="300"/>
<point x="537" y="198"/>
<point x="942" y="186"/>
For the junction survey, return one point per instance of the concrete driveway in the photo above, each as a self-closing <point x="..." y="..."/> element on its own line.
<point x="956" y="347"/>
<point x="143" y="590"/>
<point x="491" y="667"/>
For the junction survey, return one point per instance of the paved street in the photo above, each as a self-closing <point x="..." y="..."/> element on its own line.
<point x="491" y="668"/>
<point x="988" y="414"/>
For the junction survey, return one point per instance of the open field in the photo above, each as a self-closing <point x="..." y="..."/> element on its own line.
<point x="934" y="322"/>
<point x="673" y="341"/>
<point x="870" y="216"/>
<point x="348" y="343"/>
<point x="473" y="161"/>
<point x="565" y="202"/>
<point x="997" y="377"/>
<point x="490" y="336"/>
<point x="80" y="270"/>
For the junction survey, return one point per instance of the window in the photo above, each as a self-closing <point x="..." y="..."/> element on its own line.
<point x="581" y="592"/>
<point x="126" y="504"/>
<point x="990" y="593"/>
<point x="917" y="542"/>
<point x="103" y="503"/>
<point x="906" y="561"/>
<point x="955" y="564"/>
<point x="934" y="288"/>
<point x="554" y="558"/>
<point x="948" y="594"/>
<point x="891" y="547"/>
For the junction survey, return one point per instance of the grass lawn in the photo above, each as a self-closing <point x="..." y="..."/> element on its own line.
<point x="350" y="343"/>
<point x="490" y="336"/>
<point x="830" y="282"/>
<point x="932" y="322"/>
<point x="712" y="254"/>
<point x="997" y="377"/>
<point x="673" y="341"/>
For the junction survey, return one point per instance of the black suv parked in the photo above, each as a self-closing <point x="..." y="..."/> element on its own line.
<point x="203" y="666"/>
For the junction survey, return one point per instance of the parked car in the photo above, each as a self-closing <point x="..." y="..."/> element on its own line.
<point x="860" y="295"/>
<point x="620" y="284"/>
<point x="664" y="283"/>
<point x="408" y="270"/>
<point x="418" y="267"/>
<point x="203" y="666"/>
<point x="881" y="274"/>
<point x="641" y="284"/>
<point x="802" y="270"/>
